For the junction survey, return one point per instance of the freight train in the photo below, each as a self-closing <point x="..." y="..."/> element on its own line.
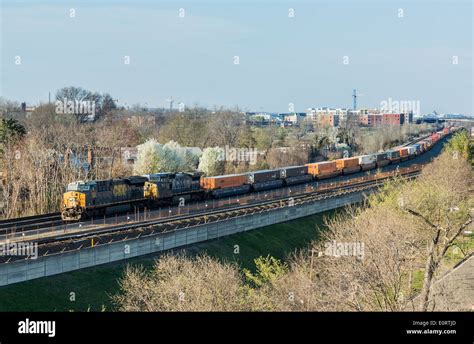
<point x="100" y="197"/>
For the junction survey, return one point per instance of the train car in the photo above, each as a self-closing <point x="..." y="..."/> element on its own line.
<point x="427" y="143"/>
<point x="403" y="154"/>
<point x="172" y="188"/>
<point x="264" y="180"/>
<point x="295" y="175"/>
<point x="411" y="151"/>
<point x="348" y="165"/>
<point x="100" y="197"/>
<point x="393" y="156"/>
<point x="434" y="137"/>
<point x="226" y="186"/>
<point x="323" y="170"/>
<point x="225" y="181"/>
<point x="367" y="162"/>
<point x="418" y="148"/>
<point x="382" y="159"/>
<point x="293" y="171"/>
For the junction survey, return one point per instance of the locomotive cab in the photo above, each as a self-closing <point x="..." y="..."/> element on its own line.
<point x="74" y="201"/>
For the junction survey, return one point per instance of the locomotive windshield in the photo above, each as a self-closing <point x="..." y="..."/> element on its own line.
<point x="77" y="187"/>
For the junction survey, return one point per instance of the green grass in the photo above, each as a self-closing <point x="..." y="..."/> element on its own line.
<point x="94" y="286"/>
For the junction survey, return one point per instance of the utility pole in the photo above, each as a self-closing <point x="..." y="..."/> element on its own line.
<point x="171" y="101"/>
<point x="354" y="96"/>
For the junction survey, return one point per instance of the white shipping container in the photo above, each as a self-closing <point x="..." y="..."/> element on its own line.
<point x="367" y="159"/>
<point x="411" y="150"/>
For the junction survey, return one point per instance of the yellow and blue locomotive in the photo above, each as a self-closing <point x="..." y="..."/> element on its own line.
<point x="102" y="197"/>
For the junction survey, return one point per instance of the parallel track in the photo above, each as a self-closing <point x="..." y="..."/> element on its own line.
<point x="30" y="222"/>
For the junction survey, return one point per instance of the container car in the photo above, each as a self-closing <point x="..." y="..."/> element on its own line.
<point x="293" y="171"/>
<point x="322" y="170"/>
<point x="411" y="150"/>
<point x="226" y="185"/>
<point x="418" y="148"/>
<point x="382" y="159"/>
<point x="367" y="162"/>
<point x="295" y="175"/>
<point x="393" y="155"/>
<point x="348" y="165"/>
<point x="262" y="176"/>
<point x="404" y="154"/>
<point x="221" y="182"/>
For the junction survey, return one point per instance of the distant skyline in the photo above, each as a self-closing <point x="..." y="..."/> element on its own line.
<point x="417" y="50"/>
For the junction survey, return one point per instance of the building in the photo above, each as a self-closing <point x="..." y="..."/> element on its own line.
<point x="393" y="119"/>
<point x="370" y="120"/>
<point x="129" y="155"/>
<point x="142" y="120"/>
<point x="327" y="116"/>
<point x="376" y="119"/>
<point x="294" y="117"/>
<point x="329" y="120"/>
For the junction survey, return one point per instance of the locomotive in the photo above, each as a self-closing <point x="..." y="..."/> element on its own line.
<point x="104" y="197"/>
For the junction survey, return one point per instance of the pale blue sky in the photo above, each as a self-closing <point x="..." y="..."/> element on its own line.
<point x="282" y="60"/>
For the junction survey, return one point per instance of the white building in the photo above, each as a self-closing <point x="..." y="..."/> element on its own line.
<point x="294" y="118"/>
<point x="314" y="114"/>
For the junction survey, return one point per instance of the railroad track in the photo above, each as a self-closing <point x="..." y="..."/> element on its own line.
<point x="30" y="222"/>
<point x="76" y="241"/>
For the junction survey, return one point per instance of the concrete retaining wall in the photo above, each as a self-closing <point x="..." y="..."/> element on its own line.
<point x="46" y="266"/>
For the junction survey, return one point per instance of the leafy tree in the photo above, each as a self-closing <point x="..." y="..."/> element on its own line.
<point x="281" y="136"/>
<point x="268" y="270"/>
<point x="11" y="130"/>
<point x="460" y="144"/>
<point x="247" y="138"/>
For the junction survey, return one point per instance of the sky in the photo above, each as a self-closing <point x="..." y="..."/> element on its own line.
<point x="417" y="50"/>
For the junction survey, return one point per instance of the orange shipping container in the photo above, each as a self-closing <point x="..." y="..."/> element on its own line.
<point x="220" y="182"/>
<point x="347" y="163"/>
<point x="319" y="168"/>
<point x="403" y="151"/>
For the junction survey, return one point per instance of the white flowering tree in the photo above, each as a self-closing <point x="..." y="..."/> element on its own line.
<point x="212" y="161"/>
<point x="189" y="160"/>
<point x="154" y="157"/>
